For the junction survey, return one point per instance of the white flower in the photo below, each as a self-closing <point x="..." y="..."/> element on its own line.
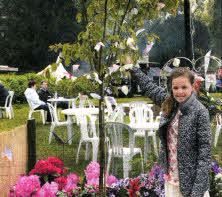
<point x="125" y="89"/>
<point x="218" y="176"/>
<point x="131" y="43"/>
<point x="208" y="94"/>
<point x="176" y="62"/>
<point x="139" y="31"/>
<point x="98" y="46"/>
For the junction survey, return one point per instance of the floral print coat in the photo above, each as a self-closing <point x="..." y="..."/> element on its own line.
<point x="194" y="140"/>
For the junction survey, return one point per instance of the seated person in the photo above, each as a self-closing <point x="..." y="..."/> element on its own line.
<point x="219" y="85"/>
<point x="45" y="94"/>
<point x="36" y="103"/>
<point x="3" y="94"/>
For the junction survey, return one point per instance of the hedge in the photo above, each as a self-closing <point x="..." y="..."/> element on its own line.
<point x="65" y="87"/>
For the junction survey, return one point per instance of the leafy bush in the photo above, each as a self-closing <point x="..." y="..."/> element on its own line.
<point x="65" y="87"/>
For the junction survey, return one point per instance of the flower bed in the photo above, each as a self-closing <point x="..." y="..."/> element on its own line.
<point x="48" y="179"/>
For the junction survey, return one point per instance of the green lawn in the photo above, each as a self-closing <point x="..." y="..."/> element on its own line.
<point x="68" y="152"/>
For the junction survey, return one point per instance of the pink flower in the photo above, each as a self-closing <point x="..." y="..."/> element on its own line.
<point x="92" y="174"/>
<point x="48" y="190"/>
<point x="111" y="179"/>
<point x="72" y="181"/>
<point x="27" y="185"/>
<point x="197" y="83"/>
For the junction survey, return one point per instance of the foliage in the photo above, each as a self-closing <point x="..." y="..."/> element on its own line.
<point x="30" y="27"/>
<point x="111" y="23"/>
<point x="214" y="106"/>
<point x="65" y="87"/>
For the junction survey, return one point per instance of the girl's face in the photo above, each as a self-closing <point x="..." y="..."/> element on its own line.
<point x="181" y="88"/>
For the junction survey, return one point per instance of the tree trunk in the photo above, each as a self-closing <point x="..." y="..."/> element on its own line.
<point x="187" y="29"/>
<point x="102" y="157"/>
<point x="217" y="28"/>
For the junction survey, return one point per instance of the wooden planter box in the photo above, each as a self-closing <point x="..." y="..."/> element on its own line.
<point x="16" y="140"/>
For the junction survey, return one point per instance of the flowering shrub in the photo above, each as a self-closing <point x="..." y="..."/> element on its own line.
<point x="215" y="180"/>
<point x="151" y="184"/>
<point x="51" y="181"/>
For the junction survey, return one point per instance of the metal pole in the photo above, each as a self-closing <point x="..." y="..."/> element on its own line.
<point x="187" y="29"/>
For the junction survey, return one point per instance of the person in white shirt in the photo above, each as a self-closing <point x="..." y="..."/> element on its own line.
<point x="33" y="97"/>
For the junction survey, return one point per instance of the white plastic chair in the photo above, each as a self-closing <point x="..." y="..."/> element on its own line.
<point x="85" y="137"/>
<point x="218" y="128"/>
<point x="115" y="132"/>
<point x="83" y="101"/>
<point x="139" y="116"/>
<point x="117" y="115"/>
<point x="56" y="123"/>
<point x="31" y="111"/>
<point x="8" y="105"/>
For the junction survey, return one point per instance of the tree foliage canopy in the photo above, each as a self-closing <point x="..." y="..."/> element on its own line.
<point x="31" y="26"/>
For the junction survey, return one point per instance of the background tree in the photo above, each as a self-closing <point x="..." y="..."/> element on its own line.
<point x="33" y="25"/>
<point x="111" y="35"/>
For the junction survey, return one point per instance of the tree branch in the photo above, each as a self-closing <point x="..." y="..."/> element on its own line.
<point x="121" y="23"/>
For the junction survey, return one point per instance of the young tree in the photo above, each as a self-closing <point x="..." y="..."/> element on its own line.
<point x="111" y="34"/>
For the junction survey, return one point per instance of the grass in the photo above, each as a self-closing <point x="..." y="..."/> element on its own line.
<point x="68" y="152"/>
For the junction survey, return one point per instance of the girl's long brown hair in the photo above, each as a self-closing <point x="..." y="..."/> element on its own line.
<point x="167" y="106"/>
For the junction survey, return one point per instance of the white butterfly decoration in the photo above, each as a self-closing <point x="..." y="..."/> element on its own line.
<point x="7" y="153"/>
<point x="128" y="66"/>
<point x="160" y="6"/>
<point x="134" y="11"/>
<point x="75" y="66"/>
<point x="125" y="89"/>
<point x="139" y="31"/>
<point x="148" y="47"/>
<point x="98" y="46"/>
<point x="88" y="76"/>
<point x="94" y="95"/>
<point x="131" y="43"/>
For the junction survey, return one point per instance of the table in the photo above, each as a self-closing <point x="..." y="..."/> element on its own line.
<point x="72" y="112"/>
<point x="61" y="99"/>
<point x="54" y="102"/>
<point x="147" y="127"/>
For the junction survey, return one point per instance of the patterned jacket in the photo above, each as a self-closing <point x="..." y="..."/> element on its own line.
<point x="194" y="141"/>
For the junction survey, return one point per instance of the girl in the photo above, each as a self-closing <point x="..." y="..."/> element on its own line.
<point x="184" y="132"/>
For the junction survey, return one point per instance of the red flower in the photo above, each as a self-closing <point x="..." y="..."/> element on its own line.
<point x="62" y="181"/>
<point x="135" y="187"/>
<point x="46" y="167"/>
<point x="57" y="162"/>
